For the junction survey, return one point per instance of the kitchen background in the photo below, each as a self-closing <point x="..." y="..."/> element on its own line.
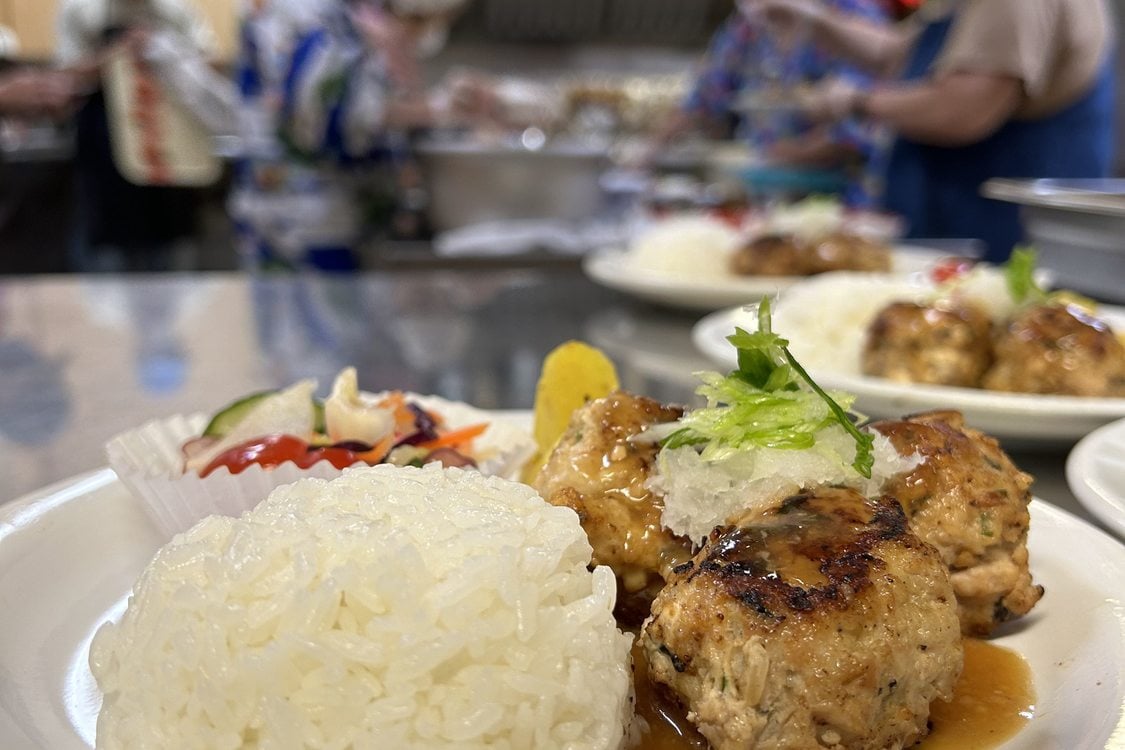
<point x="609" y="44"/>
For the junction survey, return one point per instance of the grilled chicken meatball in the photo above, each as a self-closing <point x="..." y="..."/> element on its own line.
<point x="825" y="623"/>
<point x="848" y="252"/>
<point x="772" y="255"/>
<point x="1057" y="349"/>
<point x="911" y="343"/>
<point x="969" y="501"/>
<point x="597" y="471"/>
<point x="779" y="255"/>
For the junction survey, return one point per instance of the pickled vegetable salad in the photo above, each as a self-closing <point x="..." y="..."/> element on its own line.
<point x="350" y="427"/>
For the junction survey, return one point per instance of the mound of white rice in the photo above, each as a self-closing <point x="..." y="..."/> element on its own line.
<point x="700" y="495"/>
<point x="809" y="219"/>
<point x="686" y="246"/>
<point x="389" y="608"/>
<point x="987" y="288"/>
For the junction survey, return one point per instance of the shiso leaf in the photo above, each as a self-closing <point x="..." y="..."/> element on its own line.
<point x="1019" y="273"/>
<point x="770" y="401"/>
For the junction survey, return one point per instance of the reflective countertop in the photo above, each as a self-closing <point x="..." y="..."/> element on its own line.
<point x="85" y="358"/>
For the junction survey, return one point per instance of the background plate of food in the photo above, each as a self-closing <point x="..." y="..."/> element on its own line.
<point x="703" y="263"/>
<point x="881" y="338"/>
<point x="60" y="583"/>
<point x="1095" y="472"/>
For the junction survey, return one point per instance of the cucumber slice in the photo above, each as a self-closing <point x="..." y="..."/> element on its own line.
<point x="320" y="423"/>
<point x="225" y="420"/>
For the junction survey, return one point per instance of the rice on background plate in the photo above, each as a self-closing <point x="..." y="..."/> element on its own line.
<point x="388" y="608"/>
<point x="691" y="246"/>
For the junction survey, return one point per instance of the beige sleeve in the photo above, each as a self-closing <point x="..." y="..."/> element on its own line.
<point x="1018" y="38"/>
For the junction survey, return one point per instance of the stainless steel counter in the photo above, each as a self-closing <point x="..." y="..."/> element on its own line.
<point x="84" y="358"/>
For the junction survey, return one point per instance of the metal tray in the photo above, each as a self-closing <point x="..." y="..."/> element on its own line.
<point x="1078" y="227"/>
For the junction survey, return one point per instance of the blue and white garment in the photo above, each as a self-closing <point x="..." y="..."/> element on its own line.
<point x="317" y="174"/>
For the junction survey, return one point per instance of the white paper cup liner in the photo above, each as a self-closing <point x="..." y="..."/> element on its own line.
<point x="149" y="461"/>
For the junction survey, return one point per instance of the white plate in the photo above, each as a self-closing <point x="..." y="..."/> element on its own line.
<point x="1014" y="418"/>
<point x="1095" y="472"/>
<point x="69" y="555"/>
<point x="614" y="270"/>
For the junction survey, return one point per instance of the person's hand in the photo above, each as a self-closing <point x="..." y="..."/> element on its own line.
<point x="37" y="93"/>
<point x="136" y="41"/>
<point x="384" y="34"/>
<point x="830" y="100"/>
<point x="86" y="73"/>
<point x="474" y="99"/>
<point x="816" y="149"/>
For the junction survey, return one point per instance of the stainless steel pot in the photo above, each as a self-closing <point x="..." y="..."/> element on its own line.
<point x="472" y="182"/>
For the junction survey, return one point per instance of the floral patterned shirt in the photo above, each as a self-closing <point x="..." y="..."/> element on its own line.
<point x="317" y="170"/>
<point x="745" y="59"/>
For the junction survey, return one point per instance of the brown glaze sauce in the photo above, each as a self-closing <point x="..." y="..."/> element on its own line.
<point x="668" y="727"/>
<point x="992" y="701"/>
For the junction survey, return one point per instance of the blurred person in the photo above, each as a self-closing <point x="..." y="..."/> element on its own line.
<point x="124" y="226"/>
<point x="31" y="93"/>
<point x="747" y="59"/>
<point x="36" y="198"/>
<point x="87" y="27"/>
<point x="28" y="92"/>
<point x="329" y="88"/>
<point x="987" y="89"/>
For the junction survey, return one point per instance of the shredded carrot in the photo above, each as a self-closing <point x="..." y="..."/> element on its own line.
<point x="378" y="452"/>
<point x="455" y="438"/>
<point x="405" y="421"/>
<point x="392" y="399"/>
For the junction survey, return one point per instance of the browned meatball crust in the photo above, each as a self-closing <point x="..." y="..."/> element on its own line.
<point x="600" y="473"/>
<point x="780" y="255"/>
<point x="1061" y="350"/>
<point x="912" y="343"/>
<point x="969" y="501"/>
<point x="848" y="252"/>
<point x="772" y="255"/>
<point x="823" y="624"/>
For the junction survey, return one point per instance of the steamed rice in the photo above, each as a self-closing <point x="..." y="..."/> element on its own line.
<point x="389" y="608"/>
<point x="686" y="246"/>
<point x="808" y="220"/>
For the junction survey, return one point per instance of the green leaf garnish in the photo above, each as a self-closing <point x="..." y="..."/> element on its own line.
<point x="864" y="442"/>
<point x="1019" y="272"/>
<point x="770" y="401"/>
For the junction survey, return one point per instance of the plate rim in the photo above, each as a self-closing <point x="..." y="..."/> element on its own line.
<point x="22" y="511"/>
<point x="609" y="267"/>
<point x="1079" y="469"/>
<point x="992" y="402"/>
<point x="700" y="295"/>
